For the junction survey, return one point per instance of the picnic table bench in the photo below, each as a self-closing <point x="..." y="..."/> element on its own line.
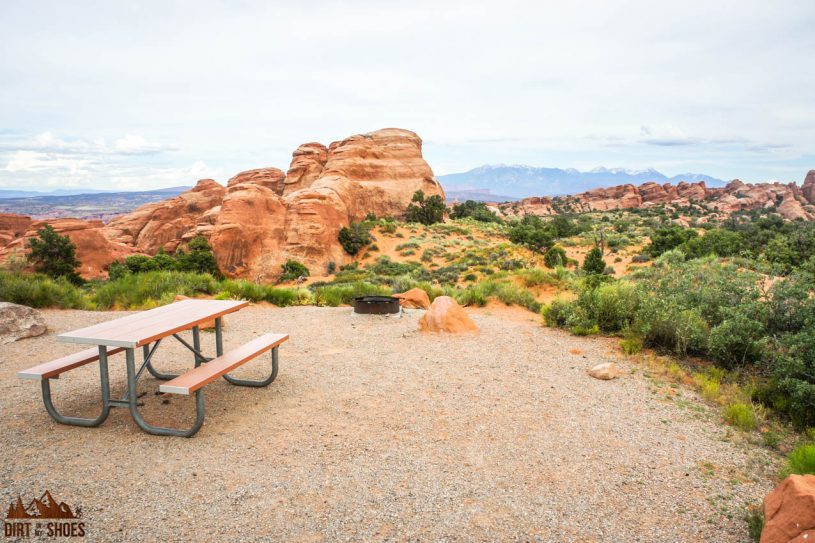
<point x="147" y="330"/>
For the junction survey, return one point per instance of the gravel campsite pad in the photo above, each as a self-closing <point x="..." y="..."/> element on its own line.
<point x="374" y="431"/>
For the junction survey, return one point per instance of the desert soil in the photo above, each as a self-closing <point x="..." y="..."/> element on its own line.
<point x="374" y="431"/>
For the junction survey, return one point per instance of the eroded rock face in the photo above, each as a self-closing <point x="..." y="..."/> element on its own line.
<point x="789" y="511"/>
<point x="327" y="188"/>
<point x="265" y="218"/>
<point x="271" y="178"/>
<point x="12" y="227"/>
<point x="19" y="321"/>
<point x="307" y="164"/>
<point x="93" y="249"/>
<point x="791" y="201"/>
<point x="445" y="315"/>
<point x="165" y="224"/>
<point x="247" y="235"/>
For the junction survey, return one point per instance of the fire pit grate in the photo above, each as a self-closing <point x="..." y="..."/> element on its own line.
<point x="376" y="305"/>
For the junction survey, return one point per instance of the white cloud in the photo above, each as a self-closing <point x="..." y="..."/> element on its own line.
<point x="31" y="161"/>
<point x="722" y="85"/>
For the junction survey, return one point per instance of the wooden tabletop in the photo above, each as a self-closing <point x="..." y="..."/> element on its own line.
<point x="148" y="326"/>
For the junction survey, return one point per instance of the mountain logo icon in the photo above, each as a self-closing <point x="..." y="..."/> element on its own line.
<point x="46" y="507"/>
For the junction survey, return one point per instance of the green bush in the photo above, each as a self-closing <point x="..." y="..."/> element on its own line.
<point x="558" y="313"/>
<point x="631" y="345"/>
<point x="425" y="210"/>
<point x="737" y="341"/>
<point x="476" y="210"/>
<point x="741" y="416"/>
<point x="555" y="257"/>
<point x="594" y="264"/>
<point x="354" y="237"/>
<point x="54" y="255"/>
<point x="665" y="239"/>
<point x="293" y="270"/>
<point x="197" y="257"/>
<point x="754" y="517"/>
<point x="151" y="289"/>
<point x="616" y="305"/>
<point x="801" y="461"/>
<point x="531" y="232"/>
<point x="38" y="290"/>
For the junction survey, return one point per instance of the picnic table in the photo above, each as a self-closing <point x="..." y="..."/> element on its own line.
<point x="147" y="330"/>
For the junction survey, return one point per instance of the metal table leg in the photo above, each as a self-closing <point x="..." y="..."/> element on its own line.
<point x="132" y="380"/>
<point x="79" y="421"/>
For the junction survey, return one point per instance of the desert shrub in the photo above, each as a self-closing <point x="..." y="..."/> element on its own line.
<point x="665" y="239"/>
<point x="794" y="371"/>
<point x="536" y="277"/>
<point x="616" y="305"/>
<point x="681" y="331"/>
<point x="331" y="268"/>
<point x="801" y="461"/>
<point x="54" y="255"/>
<point x="354" y="237"/>
<point x="558" y="313"/>
<point x="151" y="289"/>
<point x="387" y="227"/>
<point x="39" y="290"/>
<point x="197" y="257"/>
<point x="448" y="274"/>
<point x="741" y="416"/>
<point x="736" y="341"/>
<point x="254" y="292"/>
<point x="292" y="270"/>
<point x="754" y="517"/>
<point x="717" y="241"/>
<point x="475" y="210"/>
<point x="639" y="259"/>
<point x="385" y="266"/>
<point x="594" y="263"/>
<point x="531" y="232"/>
<point x="425" y="210"/>
<point x="555" y="257"/>
<point x="506" y="291"/>
<point x="631" y="345"/>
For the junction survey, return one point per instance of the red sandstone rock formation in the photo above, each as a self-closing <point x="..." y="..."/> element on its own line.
<point x="256" y="231"/>
<point x="12" y="227"/>
<point x="790" y="200"/>
<point x="263" y="217"/>
<point x="789" y="511"/>
<point x="93" y="249"/>
<point x="165" y="224"/>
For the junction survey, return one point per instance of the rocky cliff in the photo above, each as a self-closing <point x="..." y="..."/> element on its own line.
<point x="262" y="217"/>
<point x="789" y="200"/>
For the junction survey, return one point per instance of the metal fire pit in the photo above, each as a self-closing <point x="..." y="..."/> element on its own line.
<point x="376" y="305"/>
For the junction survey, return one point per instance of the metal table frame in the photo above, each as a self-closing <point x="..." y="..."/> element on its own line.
<point x="130" y="398"/>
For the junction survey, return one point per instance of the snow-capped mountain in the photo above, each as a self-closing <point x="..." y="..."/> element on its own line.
<point x="520" y="181"/>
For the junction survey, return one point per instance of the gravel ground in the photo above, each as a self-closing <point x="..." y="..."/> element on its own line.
<point x="376" y="432"/>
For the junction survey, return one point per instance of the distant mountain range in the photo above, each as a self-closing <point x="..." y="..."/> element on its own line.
<point x="518" y="181"/>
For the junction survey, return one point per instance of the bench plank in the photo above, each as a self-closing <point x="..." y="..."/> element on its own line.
<point x="53" y="368"/>
<point x="206" y="373"/>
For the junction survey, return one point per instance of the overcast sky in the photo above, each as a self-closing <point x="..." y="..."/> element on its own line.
<point x="152" y="94"/>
